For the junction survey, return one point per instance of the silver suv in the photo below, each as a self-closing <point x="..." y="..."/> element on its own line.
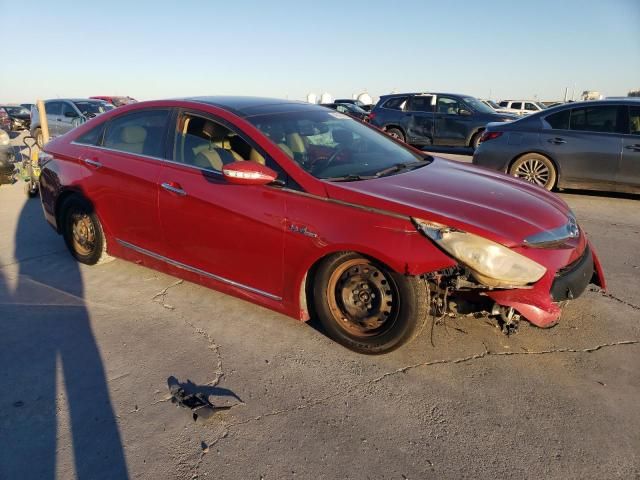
<point x="64" y="114"/>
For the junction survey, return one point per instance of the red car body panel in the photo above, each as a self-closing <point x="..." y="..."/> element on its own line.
<point x="260" y="242"/>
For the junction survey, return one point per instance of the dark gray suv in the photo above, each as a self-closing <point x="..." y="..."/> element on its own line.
<point x="592" y="145"/>
<point x="65" y="114"/>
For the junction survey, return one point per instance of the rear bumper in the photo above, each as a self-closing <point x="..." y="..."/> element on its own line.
<point x="540" y="304"/>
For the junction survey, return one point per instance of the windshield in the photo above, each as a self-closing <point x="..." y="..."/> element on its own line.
<point x="352" y="107"/>
<point x="91" y="108"/>
<point x="477" y="105"/>
<point x="541" y="105"/>
<point x="493" y="104"/>
<point x="331" y="145"/>
<point x="13" y="110"/>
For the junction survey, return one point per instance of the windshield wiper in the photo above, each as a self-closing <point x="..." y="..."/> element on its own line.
<point x="350" y="178"/>
<point x="399" y="167"/>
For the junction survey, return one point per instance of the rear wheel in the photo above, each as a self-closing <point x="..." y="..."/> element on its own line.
<point x="535" y="168"/>
<point x="367" y="307"/>
<point x="82" y="231"/>
<point x="475" y="140"/>
<point x="396" y="133"/>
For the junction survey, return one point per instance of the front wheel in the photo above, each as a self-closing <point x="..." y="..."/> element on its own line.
<point x="82" y="231"/>
<point x="365" y="306"/>
<point x="535" y="168"/>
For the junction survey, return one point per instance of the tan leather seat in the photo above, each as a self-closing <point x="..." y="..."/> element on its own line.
<point x="217" y="152"/>
<point x="132" y="139"/>
<point x="255" y="156"/>
<point x="296" y="143"/>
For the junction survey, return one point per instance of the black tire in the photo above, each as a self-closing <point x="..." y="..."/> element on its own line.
<point x="535" y="168"/>
<point x="76" y="211"/>
<point x="475" y="140"/>
<point x="396" y="133"/>
<point x="31" y="189"/>
<point x="397" y="310"/>
<point x="37" y="133"/>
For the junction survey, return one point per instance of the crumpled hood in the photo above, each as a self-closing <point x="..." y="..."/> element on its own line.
<point x="464" y="196"/>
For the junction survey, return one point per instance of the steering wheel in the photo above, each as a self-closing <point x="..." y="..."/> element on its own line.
<point x="324" y="163"/>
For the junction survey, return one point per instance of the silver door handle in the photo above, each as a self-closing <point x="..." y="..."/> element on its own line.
<point x="92" y="163"/>
<point x="635" y="147"/>
<point x="173" y="189"/>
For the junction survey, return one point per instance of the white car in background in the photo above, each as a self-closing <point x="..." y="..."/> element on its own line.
<point x="495" y="106"/>
<point x="521" y="107"/>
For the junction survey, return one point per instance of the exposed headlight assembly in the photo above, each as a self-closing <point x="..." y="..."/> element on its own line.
<point x="490" y="263"/>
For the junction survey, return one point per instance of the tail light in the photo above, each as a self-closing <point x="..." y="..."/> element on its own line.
<point x="372" y="115"/>
<point x="487" y="135"/>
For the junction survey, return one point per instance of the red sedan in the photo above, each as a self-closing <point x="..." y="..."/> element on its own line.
<point x="306" y="211"/>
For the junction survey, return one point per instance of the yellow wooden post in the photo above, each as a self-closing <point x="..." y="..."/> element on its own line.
<point x="44" y="124"/>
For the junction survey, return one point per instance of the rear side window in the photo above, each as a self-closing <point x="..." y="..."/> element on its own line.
<point x="53" y="108"/>
<point x="395" y="103"/>
<point x="421" y="103"/>
<point x="595" y="119"/>
<point x="634" y="120"/>
<point x="516" y="105"/>
<point x="138" y="132"/>
<point x="92" y="137"/>
<point x="559" y="121"/>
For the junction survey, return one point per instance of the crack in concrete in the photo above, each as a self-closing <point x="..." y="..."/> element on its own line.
<point x="161" y="296"/>
<point x="619" y="300"/>
<point x="469" y="358"/>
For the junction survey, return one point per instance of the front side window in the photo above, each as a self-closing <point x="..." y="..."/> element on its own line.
<point x="138" y="132"/>
<point x="504" y="104"/>
<point x="331" y="145"/>
<point x="204" y="143"/>
<point x="448" y="106"/>
<point x="516" y="105"/>
<point x="634" y="120"/>
<point x="595" y="119"/>
<point x="530" y="106"/>
<point x="68" y="111"/>
<point x="91" y="108"/>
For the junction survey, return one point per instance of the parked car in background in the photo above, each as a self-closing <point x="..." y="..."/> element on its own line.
<point x="494" y="106"/>
<point x="447" y="119"/>
<point x="27" y="106"/>
<point x="358" y="103"/>
<point x="5" y="120"/>
<point x="116" y="101"/>
<point x="349" y="109"/>
<point x="19" y="116"/>
<point x="593" y="145"/>
<point x="521" y="107"/>
<point x="66" y="114"/>
<point x="299" y="209"/>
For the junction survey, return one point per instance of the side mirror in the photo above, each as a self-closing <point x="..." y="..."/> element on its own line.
<point x="464" y="112"/>
<point x="248" y="173"/>
<point x="70" y="114"/>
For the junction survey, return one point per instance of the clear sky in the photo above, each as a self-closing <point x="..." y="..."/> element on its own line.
<point x="158" y="49"/>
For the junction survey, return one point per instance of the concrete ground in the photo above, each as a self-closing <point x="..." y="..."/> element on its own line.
<point x="86" y="353"/>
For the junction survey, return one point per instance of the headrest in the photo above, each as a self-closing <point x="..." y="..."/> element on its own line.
<point x="342" y="136"/>
<point x="133" y="134"/>
<point x="214" y="131"/>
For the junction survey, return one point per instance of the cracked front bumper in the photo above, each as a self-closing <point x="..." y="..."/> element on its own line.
<point x="563" y="281"/>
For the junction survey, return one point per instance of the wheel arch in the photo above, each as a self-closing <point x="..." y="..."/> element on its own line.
<point x="474" y="132"/>
<point x="397" y="126"/>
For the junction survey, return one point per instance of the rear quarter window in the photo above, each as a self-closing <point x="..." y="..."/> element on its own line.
<point x="140" y="132"/>
<point x="558" y="121"/>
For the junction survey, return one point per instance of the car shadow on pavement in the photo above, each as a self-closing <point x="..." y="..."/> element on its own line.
<point x="51" y="368"/>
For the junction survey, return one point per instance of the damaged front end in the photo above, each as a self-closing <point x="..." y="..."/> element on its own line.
<point x="533" y="280"/>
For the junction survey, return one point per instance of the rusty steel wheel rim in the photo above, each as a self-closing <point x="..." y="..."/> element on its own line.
<point x="362" y="298"/>
<point x="83" y="233"/>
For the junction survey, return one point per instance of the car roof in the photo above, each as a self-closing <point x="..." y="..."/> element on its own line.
<point x="73" y="100"/>
<point x="249" y="106"/>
